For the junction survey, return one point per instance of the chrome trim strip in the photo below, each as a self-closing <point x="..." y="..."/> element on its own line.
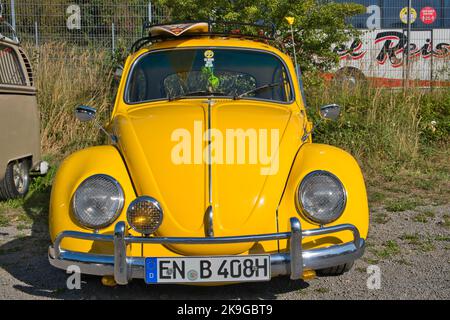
<point x="291" y="263"/>
<point x="214" y="240"/>
<point x="295" y="244"/>
<point x="210" y="211"/>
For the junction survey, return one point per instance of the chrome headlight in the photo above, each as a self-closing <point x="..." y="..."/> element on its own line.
<point x="321" y="197"/>
<point x="98" y="201"/>
<point x="145" y="215"/>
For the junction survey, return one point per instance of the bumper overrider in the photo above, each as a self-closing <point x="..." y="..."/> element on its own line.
<point x="124" y="268"/>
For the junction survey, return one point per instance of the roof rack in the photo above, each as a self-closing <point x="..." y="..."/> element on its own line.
<point x="256" y="31"/>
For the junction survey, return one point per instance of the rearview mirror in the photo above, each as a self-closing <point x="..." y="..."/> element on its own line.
<point x="330" y="112"/>
<point x="85" y="113"/>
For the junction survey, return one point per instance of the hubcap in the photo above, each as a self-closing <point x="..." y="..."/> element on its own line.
<point x="20" y="176"/>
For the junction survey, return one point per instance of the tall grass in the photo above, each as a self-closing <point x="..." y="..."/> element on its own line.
<point x="383" y="127"/>
<point x="65" y="78"/>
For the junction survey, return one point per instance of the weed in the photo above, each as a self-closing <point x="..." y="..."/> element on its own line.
<point x="422" y="218"/>
<point x="401" y="205"/>
<point x="361" y="269"/>
<point x="411" y="238"/>
<point x="426" y="245"/>
<point x="381" y="218"/>
<point x="377" y="196"/>
<point x="429" y="214"/>
<point x="390" y="248"/>
<point x="404" y="262"/>
<point x="4" y="220"/>
<point x="424" y="184"/>
<point x="23" y="227"/>
<point x="322" y="290"/>
<point x="420" y="243"/>
<point x="371" y="261"/>
<point x="446" y="222"/>
<point x="442" y="238"/>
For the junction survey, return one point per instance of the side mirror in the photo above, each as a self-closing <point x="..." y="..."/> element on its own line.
<point x="330" y="112"/>
<point x="118" y="73"/>
<point x="85" y="113"/>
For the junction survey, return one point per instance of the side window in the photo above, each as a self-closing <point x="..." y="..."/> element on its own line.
<point x="10" y="70"/>
<point x="138" y="89"/>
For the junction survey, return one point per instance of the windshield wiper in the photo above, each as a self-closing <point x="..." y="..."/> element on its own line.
<point x="264" y="87"/>
<point x="195" y="93"/>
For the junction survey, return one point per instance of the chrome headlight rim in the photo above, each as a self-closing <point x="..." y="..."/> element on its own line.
<point x="299" y="203"/>
<point x="119" y="208"/>
<point x="152" y="201"/>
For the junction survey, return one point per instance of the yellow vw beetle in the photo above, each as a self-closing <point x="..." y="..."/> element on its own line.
<point x="211" y="175"/>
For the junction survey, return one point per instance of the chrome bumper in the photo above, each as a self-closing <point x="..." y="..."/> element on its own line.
<point x="125" y="268"/>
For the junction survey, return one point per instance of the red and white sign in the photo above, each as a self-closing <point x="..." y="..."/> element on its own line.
<point x="428" y="15"/>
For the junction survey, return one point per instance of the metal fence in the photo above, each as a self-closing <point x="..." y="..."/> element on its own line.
<point x="105" y="24"/>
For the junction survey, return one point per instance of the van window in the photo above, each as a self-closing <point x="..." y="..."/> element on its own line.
<point x="10" y="70"/>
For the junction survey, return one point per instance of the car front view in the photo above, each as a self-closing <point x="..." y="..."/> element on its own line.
<point x="211" y="175"/>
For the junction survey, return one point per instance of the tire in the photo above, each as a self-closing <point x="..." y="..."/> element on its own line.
<point x="16" y="182"/>
<point x="349" y="78"/>
<point x="335" y="271"/>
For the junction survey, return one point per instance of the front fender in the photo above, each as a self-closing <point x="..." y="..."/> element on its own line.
<point x="313" y="157"/>
<point x="74" y="170"/>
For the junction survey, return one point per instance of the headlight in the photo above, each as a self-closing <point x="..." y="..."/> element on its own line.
<point x="145" y="215"/>
<point x="321" y="197"/>
<point x="98" y="201"/>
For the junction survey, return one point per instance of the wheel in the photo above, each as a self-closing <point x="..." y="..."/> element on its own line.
<point x="16" y="182"/>
<point x="349" y="78"/>
<point x="335" y="271"/>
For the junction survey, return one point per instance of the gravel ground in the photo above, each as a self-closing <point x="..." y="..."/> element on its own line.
<point x="411" y="248"/>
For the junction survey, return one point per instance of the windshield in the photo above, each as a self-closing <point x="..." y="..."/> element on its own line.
<point x="187" y="73"/>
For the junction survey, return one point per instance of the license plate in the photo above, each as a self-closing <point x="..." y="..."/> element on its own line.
<point x="207" y="269"/>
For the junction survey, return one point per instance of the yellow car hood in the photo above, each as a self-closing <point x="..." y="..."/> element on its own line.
<point x="244" y="196"/>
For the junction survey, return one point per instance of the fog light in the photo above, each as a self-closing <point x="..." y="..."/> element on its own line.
<point x="145" y="215"/>
<point x="308" y="275"/>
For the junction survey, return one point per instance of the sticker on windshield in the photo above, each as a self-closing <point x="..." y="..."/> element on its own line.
<point x="208" y="70"/>
<point x="209" y="58"/>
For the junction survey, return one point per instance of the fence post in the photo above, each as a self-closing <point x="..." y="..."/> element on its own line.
<point x="408" y="44"/>
<point x="432" y="60"/>
<point x="150" y="12"/>
<point x="36" y="34"/>
<point x="113" y="32"/>
<point x="13" y="14"/>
